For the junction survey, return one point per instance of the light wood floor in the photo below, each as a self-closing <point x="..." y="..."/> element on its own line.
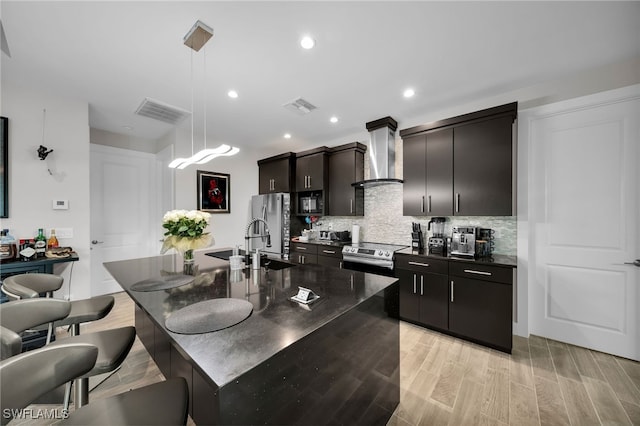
<point x="448" y="381"/>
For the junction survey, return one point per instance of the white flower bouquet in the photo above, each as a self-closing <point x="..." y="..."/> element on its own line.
<point x="185" y="231"/>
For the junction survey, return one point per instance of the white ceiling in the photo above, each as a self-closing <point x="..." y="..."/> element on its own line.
<point x="114" y="54"/>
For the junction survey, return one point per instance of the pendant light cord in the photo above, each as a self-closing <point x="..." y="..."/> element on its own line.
<point x="204" y="84"/>
<point x="192" y="102"/>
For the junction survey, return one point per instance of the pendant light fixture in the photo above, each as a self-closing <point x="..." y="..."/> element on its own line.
<point x="195" y="39"/>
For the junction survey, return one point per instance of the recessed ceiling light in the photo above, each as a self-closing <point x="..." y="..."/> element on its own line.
<point x="287" y="136"/>
<point x="408" y="93"/>
<point x="333" y="119"/>
<point x="232" y="94"/>
<point x="307" y="42"/>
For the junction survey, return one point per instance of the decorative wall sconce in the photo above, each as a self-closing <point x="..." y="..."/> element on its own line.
<point x="42" y="152"/>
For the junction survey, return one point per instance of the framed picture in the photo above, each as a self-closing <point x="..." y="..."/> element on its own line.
<point x="214" y="192"/>
<point x="4" y="167"/>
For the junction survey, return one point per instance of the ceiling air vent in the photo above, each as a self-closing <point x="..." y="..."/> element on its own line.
<point x="300" y="106"/>
<point x="161" y="111"/>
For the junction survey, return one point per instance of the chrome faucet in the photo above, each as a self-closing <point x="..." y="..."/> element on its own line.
<point x="247" y="237"/>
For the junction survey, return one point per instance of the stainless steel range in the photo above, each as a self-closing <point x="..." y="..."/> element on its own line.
<point x="373" y="254"/>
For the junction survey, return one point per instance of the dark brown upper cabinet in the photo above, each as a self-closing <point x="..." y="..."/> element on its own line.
<point x="346" y="166"/>
<point x="483" y="172"/>
<point x="461" y="166"/>
<point x="312" y="170"/>
<point x="428" y="174"/>
<point x="276" y="174"/>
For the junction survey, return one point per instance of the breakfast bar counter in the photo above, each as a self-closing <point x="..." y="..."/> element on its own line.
<point x="335" y="360"/>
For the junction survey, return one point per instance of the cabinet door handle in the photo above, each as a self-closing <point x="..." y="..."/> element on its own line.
<point x="422" y="205"/>
<point x="302" y="259"/>
<point x="273" y="184"/>
<point x="414" y="283"/>
<point x="341" y="265"/>
<point x="301" y="248"/>
<point x="309" y="181"/>
<point x="351" y="205"/>
<point x="421" y="285"/>
<point x="457" y="202"/>
<point x="329" y="251"/>
<point x="419" y="264"/>
<point x="471" y="271"/>
<point x="451" y="291"/>
<point x="429" y="203"/>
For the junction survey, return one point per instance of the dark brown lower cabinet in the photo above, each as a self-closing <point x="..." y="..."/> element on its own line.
<point x="470" y="301"/>
<point x="481" y="310"/>
<point x="423" y="298"/>
<point x="304" y="253"/>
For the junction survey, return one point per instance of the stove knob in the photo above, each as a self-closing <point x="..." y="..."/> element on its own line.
<point x="386" y="253"/>
<point x="379" y="252"/>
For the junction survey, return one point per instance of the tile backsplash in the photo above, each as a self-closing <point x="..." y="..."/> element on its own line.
<point x="383" y="221"/>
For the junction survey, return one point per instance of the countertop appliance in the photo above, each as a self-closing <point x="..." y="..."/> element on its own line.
<point x="463" y="241"/>
<point x="371" y="254"/>
<point x="437" y="242"/>
<point x="334" y="236"/>
<point x="275" y="209"/>
<point x="416" y="237"/>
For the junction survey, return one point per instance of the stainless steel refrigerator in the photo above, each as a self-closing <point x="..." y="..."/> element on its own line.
<point x="276" y="210"/>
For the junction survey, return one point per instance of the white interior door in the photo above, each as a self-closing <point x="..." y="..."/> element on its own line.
<point x="124" y="220"/>
<point x="584" y="196"/>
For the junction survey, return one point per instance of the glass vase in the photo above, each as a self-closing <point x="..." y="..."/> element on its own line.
<point x="188" y="267"/>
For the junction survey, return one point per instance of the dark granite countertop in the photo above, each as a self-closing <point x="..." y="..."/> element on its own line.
<point x="496" y="259"/>
<point x="276" y="321"/>
<point x="319" y="242"/>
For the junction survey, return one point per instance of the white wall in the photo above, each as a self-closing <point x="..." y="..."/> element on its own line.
<point x="116" y="140"/>
<point x="32" y="188"/>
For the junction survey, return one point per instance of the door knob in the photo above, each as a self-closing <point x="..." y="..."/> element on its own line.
<point x="635" y="263"/>
<point x="96" y="242"/>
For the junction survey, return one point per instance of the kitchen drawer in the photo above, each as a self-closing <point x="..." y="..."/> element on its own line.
<point x="481" y="272"/>
<point x="421" y="264"/>
<point x="330" y="251"/>
<point x="304" y="248"/>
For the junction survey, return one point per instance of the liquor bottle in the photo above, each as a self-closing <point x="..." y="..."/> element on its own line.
<point x="53" y="241"/>
<point x="41" y="243"/>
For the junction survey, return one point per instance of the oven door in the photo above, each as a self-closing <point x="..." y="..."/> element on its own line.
<point x="365" y="267"/>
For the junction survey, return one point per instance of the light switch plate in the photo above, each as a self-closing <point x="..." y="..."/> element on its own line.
<point x="60" y="204"/>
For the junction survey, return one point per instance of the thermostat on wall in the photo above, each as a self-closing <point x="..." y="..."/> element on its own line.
<point x="61" y="204"/>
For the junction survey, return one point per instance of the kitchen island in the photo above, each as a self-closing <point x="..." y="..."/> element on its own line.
<point x="335" y="360"/>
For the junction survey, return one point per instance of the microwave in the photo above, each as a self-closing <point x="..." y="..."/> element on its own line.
<point x="310" y="204"/>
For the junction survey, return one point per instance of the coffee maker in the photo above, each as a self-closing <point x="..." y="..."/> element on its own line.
<point x="463" y="241"/>
<point x="437" y="241"/>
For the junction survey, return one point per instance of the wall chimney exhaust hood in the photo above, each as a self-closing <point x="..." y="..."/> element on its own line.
<point x="382" y="153"/>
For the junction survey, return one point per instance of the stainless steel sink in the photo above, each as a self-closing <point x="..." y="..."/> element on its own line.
<point x="274" y="265"/>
